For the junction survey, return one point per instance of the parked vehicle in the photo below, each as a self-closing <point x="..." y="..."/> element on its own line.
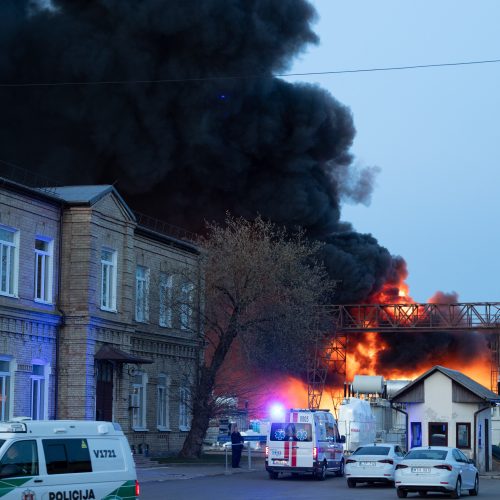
<point x="63" y="459"/>
<point x="436" y="468"/>
<point x="373" y="463"/>
<point x="307" y="441"/>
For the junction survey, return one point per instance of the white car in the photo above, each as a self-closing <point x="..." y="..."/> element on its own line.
<point x="436" y="468"/>
<point x="373" y="463"/>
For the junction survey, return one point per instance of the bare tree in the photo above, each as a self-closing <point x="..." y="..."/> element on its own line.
<point x="261" y="286"/>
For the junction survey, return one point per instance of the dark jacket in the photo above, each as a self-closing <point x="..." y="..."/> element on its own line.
<point x="236" y="438"/>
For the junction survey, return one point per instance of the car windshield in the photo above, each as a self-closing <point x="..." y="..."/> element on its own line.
<point x="372" y="450"/>
<point x="426" y="455"/>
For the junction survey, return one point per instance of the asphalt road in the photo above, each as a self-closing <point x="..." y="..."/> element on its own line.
<point x="257" y="486"/>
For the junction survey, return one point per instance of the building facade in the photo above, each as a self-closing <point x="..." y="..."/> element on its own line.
<point x="446" y="408"/>
<point x="99" y="314"/>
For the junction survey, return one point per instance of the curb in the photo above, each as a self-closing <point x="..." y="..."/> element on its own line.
<point x="180" y="473"/>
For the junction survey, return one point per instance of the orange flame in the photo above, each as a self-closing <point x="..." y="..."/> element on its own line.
<point x="363" y="359"/>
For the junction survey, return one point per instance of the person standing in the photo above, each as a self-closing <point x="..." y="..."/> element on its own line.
<point x="236" y="446"/>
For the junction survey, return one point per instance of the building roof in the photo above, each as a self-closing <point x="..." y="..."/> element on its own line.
<point x="82" y="194"/>
<point x="479" y="390"/>
<point x="89" y="195"/>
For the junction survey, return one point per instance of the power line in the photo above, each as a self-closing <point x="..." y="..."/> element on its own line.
<point x="246" y="77"/>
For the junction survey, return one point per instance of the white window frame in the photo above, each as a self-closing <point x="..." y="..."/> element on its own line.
<point x="9" y="274"/>
<point x="166" y="291"/>
<point x="108" y="279"/>
<point x="184" y="408"/>
<point x="44" y="259"/>
<point x="40" y="388"/>
<point x="142" y="274"/>
<point x="139" y="400"/>
<point x="163" y="403"/>
<point x="7" y="389"/>
<point x="186" y="306"/>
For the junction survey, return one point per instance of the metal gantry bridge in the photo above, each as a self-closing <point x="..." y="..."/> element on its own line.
<point x="334" y="323"/>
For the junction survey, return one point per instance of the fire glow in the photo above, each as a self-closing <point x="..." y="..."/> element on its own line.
<point x="364" y="357"/>
<point x="366" y="351"/>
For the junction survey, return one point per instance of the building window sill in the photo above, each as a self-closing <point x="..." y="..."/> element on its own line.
<point x="45" y="302"/>
<point x="109" y="310"/>
<point x="163" y="429"/>
<point x="140" y="429"/>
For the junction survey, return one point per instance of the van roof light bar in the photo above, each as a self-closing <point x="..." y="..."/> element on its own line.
<point x="13" y="427"/>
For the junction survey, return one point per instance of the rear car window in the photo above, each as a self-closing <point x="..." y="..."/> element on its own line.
<point x="426" y="454"/>
<point x="285" y="431"/>
<point x="372" y="450"/>
<point x="66" y="456"/>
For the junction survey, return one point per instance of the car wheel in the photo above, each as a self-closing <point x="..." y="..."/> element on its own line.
<point x="401" y="493"/>
<point x="321" y="474"/>
<point x="351" y="483"/>
<point x="475" y="490"/>
<point x="340" y="472"/>
<point x="273" y="475"/>
<point x="457" y="492"/>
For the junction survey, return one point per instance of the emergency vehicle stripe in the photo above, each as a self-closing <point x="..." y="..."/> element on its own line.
<point x="294" y="454"/>
<point x="287" y="450"/>
<point x="294" y="417"/>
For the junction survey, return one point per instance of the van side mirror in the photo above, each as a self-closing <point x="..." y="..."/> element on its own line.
<point x="473" y="462"/>
<point x="342" y="439"/>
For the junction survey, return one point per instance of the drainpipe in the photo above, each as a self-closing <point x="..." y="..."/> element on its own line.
<point x="476" y="413"/>
<point x="58" y="307"/>
<point x="406" y="423"/>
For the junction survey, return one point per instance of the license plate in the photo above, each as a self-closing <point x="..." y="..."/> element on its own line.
<point x="280" y="462"/>
<point x="367" y="464"/>
<point x="421" y="470"/>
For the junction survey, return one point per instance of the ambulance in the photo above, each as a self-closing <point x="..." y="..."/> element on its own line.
<point x="306" y="441"/>
<point x="65" y="460"/>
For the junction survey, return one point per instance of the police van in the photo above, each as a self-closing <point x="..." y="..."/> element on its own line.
<point x="65" y="460"/>
<point x="306" y="441"/>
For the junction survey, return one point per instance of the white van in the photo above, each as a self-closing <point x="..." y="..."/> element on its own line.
<point x="65" y="460"/>
<point x="306" y="441"/>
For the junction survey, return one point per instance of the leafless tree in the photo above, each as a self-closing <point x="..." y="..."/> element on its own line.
<point x="261" y="286"/>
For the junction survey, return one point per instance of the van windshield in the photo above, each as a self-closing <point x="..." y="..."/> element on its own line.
<point x="286" y="431"/>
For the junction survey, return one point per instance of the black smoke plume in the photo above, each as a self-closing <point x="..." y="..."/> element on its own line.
<point x="191" y="144"/>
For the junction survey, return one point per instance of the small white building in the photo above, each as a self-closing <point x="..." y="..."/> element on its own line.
<point x="445" y="407"/>
<point x="495" y="426"/>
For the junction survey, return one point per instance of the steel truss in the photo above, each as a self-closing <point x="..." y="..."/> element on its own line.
<point x="335" y="322"/>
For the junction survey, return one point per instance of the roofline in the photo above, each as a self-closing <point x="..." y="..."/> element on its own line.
<point x="107" y="188"/>
<point x="164" y="238"/>
<point x="34" y="192"/>
<point x="431" y="371"/>
<point x="45" y="194"/>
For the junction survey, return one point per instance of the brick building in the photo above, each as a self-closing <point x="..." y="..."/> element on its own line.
<point x="99" y="314"/>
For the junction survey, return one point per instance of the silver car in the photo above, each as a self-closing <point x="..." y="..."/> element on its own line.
<point x="436" y="468"/>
